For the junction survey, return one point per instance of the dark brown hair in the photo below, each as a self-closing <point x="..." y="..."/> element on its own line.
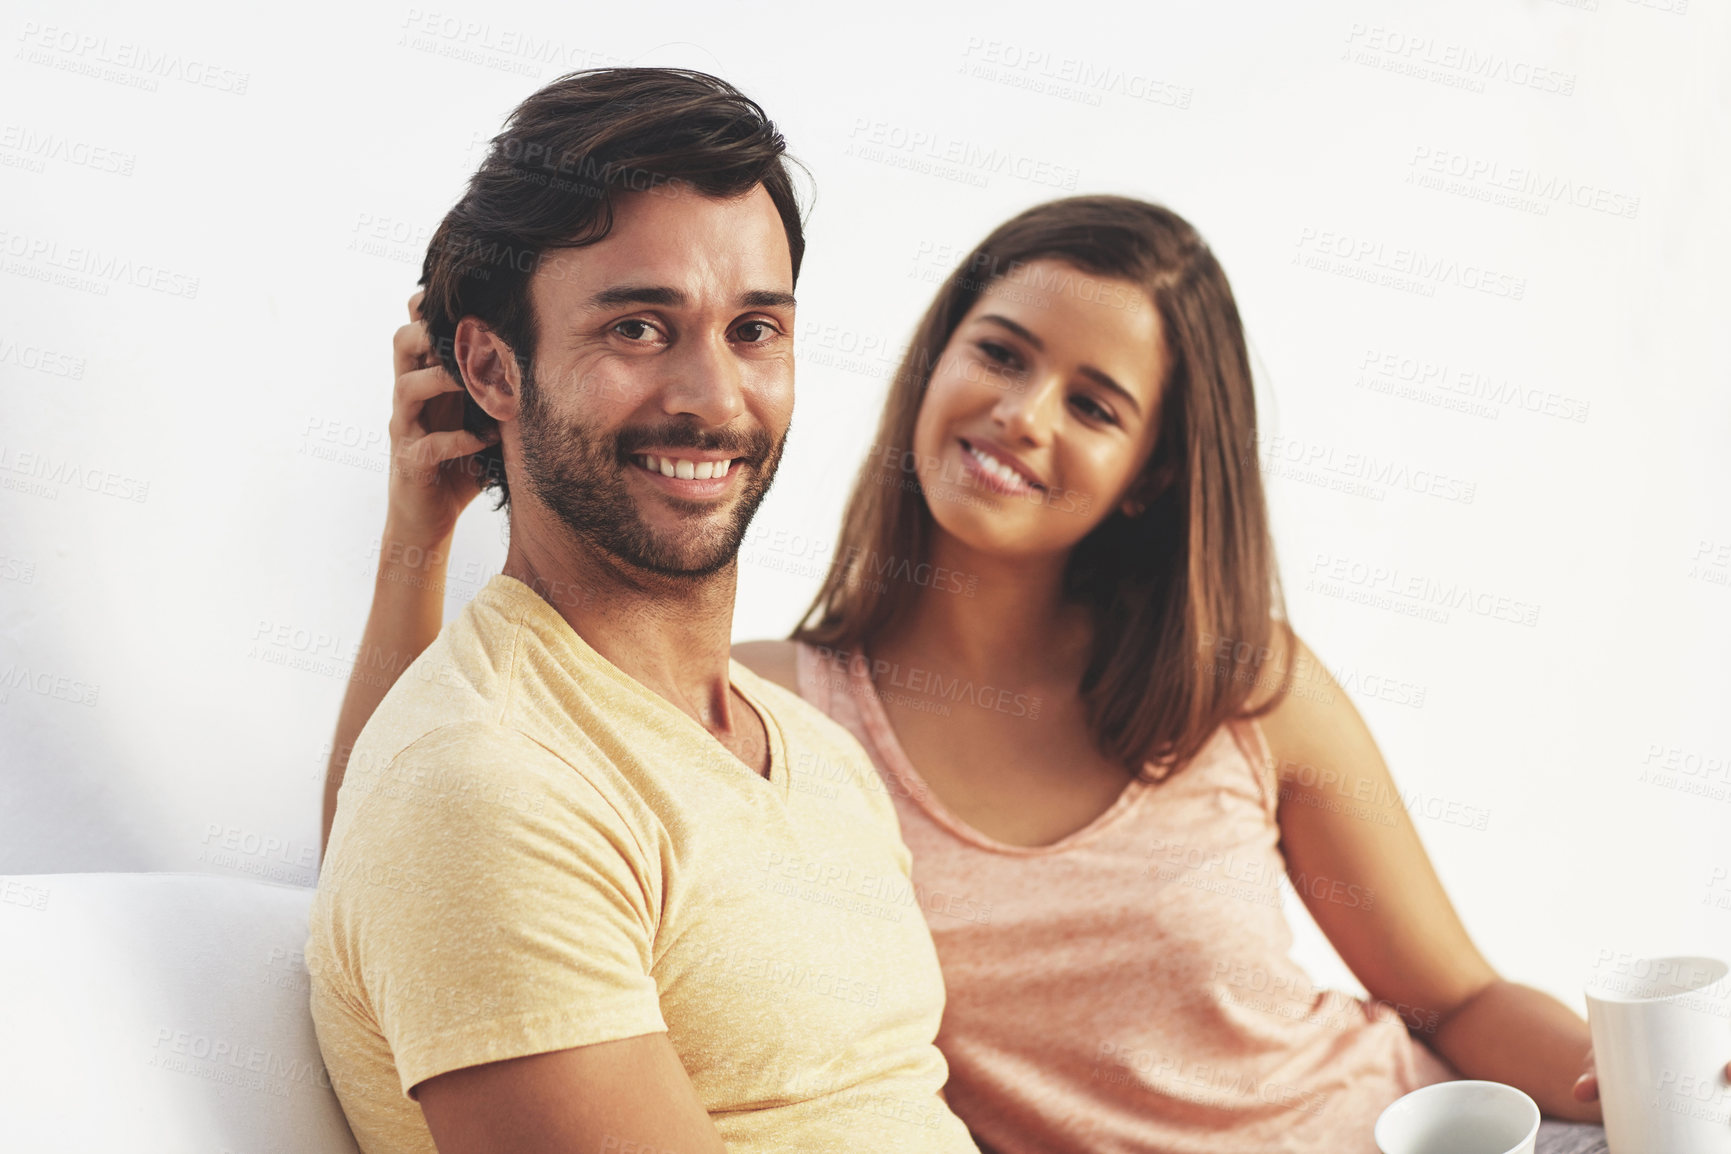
<point x="550" y="180"/>
<point x="1167" y="587"/>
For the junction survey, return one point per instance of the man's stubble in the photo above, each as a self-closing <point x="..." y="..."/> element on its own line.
<point x="579" y="473"/>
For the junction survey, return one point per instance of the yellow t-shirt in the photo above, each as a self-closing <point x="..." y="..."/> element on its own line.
<point x="533" y="851"/>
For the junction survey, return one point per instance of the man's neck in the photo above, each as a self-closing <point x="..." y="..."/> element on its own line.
<point x="671" y="634"/>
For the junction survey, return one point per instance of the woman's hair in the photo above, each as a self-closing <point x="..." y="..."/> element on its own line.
<point x="1192" y="576"/>
<point x="549" y="182"/>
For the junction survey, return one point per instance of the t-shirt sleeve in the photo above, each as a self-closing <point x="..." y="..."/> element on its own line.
<point x="493" y="904"/>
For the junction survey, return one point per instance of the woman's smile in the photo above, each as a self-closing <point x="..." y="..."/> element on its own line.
<point x="994" y="468"/>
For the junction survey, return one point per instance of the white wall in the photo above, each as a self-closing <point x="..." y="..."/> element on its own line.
<point x="194" y="412"/>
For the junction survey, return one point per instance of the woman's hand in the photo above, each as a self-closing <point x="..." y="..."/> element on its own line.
<point x="1587" y="1085"/>
<point x="1586" y="1088"/>
<point x="433" y="472"/>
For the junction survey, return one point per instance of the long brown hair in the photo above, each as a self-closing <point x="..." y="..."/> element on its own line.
<point x="1191" y="577"/>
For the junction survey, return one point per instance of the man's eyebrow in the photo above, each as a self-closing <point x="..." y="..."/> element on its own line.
<point x="637" y="294"/>
<point x="675" y="298"/>
<point x="1089" y="371"/>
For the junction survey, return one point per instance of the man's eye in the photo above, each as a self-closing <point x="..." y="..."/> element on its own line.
<point x="634" y="330"/>
<point x="755" y="332"/>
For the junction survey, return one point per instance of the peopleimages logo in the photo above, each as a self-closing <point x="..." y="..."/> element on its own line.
<point x="1513" y="185"/>
<point x="954" y="157"/>
<point x="87" y="268"/>
<point x="1357" y="473"/>
<point x="1464" y="389"/>
<point x="1400" y="266"/>
<point x="500" y="47"/>
<point x="1456" y="65"/>
<point x="38" y="359"/>
<point x="41" y="474"/>
<point x="137" y="65"/>
<point x="1068" y="77"/>
<point x="45" y="146"/>
<point x="1412" y="594"/>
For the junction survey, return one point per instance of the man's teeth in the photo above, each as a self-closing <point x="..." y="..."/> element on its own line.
<point x="683" y="469"/>
<point x="997" y="468"/>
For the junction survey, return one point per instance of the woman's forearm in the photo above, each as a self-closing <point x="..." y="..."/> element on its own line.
<point x="1527" y="1039"/>
<point x="408" y="610"/>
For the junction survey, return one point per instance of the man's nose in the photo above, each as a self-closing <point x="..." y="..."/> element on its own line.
<point x="704" y="380"/>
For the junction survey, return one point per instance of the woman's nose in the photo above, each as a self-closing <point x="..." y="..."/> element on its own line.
<point x="1024" y="411"/>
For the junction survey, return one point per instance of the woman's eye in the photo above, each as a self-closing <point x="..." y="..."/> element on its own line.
<point x="1094" y="408"/>
<point x="634" y="330"/>
<point x="999" y="353"/>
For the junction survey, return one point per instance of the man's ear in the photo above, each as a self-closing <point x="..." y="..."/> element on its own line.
<point x="490" y="369"/>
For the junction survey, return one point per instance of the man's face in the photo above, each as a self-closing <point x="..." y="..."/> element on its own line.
<point x="665" y="356"/>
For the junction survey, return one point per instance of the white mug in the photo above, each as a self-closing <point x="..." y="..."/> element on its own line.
<point x="1460" y="1118"/>
<point x="1661" y="1038"/>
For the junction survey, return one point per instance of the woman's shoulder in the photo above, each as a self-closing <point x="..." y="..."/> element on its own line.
<point x="776" y="661"/>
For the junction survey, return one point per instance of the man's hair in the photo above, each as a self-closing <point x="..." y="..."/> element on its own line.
<point x="550" y="181"/>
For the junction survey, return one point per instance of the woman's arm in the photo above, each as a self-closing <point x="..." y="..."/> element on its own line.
<point x="407" y="611"/>
<point x="430" y="485"/>
<point x="1356" y="860"/>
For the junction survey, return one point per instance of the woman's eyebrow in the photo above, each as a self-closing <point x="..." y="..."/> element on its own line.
<point x="1104" y="380"/>
<point x="1108" y="383"/>
<point x="1006" y="322"/>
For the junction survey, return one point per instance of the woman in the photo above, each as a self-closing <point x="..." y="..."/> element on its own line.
<point x="1105" y="745"/>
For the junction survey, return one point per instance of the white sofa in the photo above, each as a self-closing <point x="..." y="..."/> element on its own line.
<point x="167" y="1014"/>
<point x="159" y="1012"/>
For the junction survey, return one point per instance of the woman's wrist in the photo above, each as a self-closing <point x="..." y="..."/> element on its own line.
<point x="415" y="557"/>
<point x="1516" y="1034"/>
<point x="406" y="534"/>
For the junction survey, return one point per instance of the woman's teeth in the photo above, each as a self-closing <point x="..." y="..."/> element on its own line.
<point x="998" y="469"/>
<point x="683" y="469"/>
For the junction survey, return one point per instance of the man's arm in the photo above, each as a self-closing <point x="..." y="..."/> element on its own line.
<point x="500" y="914"/>
<point x="631" y="1095"/>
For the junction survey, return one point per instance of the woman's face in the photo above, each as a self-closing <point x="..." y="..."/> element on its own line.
<point x="1042" y="411"/>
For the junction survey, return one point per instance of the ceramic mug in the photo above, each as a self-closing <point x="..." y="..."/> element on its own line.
<point x="1661" y="1038"/>
<point x="1463" y="1117"/>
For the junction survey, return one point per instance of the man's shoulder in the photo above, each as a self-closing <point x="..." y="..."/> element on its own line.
<point x="467" y="761"/>
<point x="458" y="772"/>
<point x="461" y="686"/>
<point x="476" y="746"/>
<point x="477" y="654"/>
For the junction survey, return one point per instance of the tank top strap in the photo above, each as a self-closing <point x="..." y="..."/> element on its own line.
<point x="1258" y="759"/>
<point x="816" y="673"/>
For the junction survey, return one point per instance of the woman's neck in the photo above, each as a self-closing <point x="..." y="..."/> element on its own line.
<point x="1004" y="619"/>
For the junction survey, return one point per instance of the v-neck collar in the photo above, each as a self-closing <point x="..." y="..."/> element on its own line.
<point x="590" y="658"/>
<point x="895" y="759"/>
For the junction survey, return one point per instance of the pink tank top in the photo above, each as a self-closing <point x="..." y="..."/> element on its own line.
<point x="1128" y="987"/>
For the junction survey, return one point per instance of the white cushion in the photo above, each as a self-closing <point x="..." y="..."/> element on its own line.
<point x="159" y="1012"/>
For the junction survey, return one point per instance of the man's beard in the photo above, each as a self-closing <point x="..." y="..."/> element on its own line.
<point x="579" y="473"/>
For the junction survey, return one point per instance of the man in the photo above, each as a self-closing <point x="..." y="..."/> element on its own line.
<point x="571" y="901"/>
